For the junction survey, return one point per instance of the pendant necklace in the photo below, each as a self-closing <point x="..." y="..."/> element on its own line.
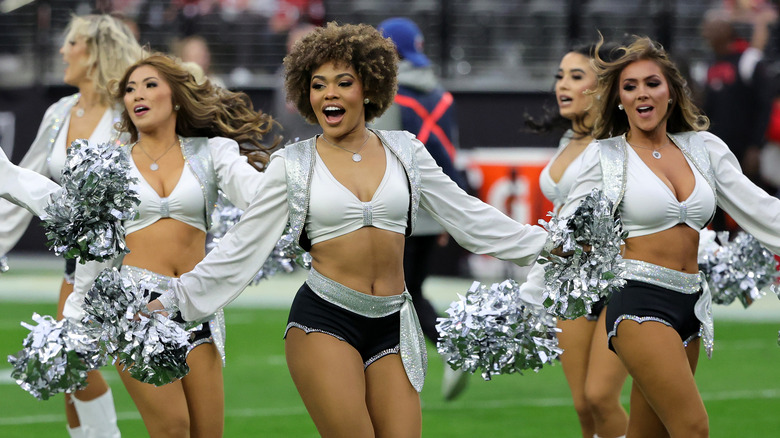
<point x="154" y="166"/>
<point x="356" y="157"/>
<point x="656" y="152"/>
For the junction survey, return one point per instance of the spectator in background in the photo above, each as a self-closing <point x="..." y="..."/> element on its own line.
<point x="195" y="49"/>
<point x="424" y="108"/>
<point x="735" y="97"/>
<point x="291" y="124"/>
<point x="291" y="13"/>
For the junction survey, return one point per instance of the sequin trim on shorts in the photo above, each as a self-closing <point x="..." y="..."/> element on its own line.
<point x="310" y="330"/>
<point x="381" y="354"/>
<point x="639" y="319"/>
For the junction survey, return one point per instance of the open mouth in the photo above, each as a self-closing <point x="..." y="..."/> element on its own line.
<point x="644" y="109"/>
<point x="140" y="109"/>
<point x="333" y="113"/>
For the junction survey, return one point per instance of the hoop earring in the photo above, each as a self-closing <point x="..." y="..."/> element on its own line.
<point x="620" y="106"/>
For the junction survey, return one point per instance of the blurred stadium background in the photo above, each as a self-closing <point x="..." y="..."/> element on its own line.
<point x="498" y="57"/>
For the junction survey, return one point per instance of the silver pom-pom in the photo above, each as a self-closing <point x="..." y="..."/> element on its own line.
<point x="494" y="329"/>
<point x="740" y="269"/>
<point x="573" y="283"/>
<point x="3" y="264"/>
<point x="284" y="256"/>
<point x="152" y="348"/>
<point x="84" y="220"/>
<point x="56" y="357"/>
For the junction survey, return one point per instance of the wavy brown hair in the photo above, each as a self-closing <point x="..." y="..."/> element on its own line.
<point x="205" y="110"/>
<point x="372" y="56"/>
<point x="683" y="115"/>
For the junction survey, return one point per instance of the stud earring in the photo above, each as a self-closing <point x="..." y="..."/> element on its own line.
<point x="176" y="107"/>
<point x="670" y="101"/>
<point x="366" y="101"/>
<point x="620" y="106"/>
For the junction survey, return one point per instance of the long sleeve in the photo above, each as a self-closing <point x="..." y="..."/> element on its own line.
<point x="752" y="208"/>
<point x="235" y="176"/>
<point x="474" y="224"/>
<point x="532" y="290"/>
<point x="590" y="177"/>
<point x="24" y="188"/>
<point x="14" y="218"/>
<point x="226" y="271"/>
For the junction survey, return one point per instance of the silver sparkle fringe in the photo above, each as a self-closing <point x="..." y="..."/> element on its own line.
<point x="284" y="256"/>
<point x="56" y="357"/>
<point x="3" y="264"/>
<point x="84" y="220"/>
<point x="741" y="269"/>
<point x="574" y="282"/>
<point x="495" y="330"/>
<point x="153" y="348"/>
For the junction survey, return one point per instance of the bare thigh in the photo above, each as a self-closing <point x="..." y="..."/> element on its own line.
<point x="575" y="340"/>
<point x="393" y="403"/>
<point x="662" y="370"/>
<point x="163" y="408"/>
<point x="329" y="376"/>
<point x="204" y="391"/>
<point x="604" y="384"/>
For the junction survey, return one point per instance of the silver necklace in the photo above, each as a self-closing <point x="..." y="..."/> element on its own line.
<point x="656" y="152"/>
<point x="154" y="166"/>
<point x="356" y="157"/>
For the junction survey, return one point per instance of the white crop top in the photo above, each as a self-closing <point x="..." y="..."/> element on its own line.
<point x="649" y="206"/>
<point x="558" y="192"/>
<point x="102" y="134"/>
<point x="334" y="210"/>
<point x="185" y="203"/>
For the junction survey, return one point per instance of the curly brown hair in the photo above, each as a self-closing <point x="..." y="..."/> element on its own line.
<point x="683" y="115"/>
<point x="372" y="56"/>
<point x="205" y="110"/>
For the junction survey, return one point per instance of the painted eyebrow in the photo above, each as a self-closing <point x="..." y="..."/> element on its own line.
<point x="652" y="76"/>
<point x="144" y="80"/>
<point x="338" y="76"/>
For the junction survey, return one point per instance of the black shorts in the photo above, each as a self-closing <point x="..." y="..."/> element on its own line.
<point x="373" y="338"/>
<point x="70" y="270"/>
<point x="640" y="302"/>
<point x="595" y="310"/>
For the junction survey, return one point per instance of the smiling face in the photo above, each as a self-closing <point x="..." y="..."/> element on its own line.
<point x="644" y="93"/>
<point x="75" y="56"/>
<point x="574" y="77"/>
<point x="336" y="96"/>
<point x="148" y="100"/>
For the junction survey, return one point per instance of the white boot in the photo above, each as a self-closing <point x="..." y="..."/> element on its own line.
<point x="98" y="416"/>
<point x="75" y="432"/>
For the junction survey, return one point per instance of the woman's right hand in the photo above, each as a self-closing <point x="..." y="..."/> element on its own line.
<point x="156" y="305"/>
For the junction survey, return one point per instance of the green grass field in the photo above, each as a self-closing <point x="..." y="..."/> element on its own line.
<point x="740" y="387"/>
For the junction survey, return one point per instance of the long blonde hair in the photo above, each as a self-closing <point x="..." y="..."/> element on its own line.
<point x="610" y="121"/>
<point x="111" y="45"/>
